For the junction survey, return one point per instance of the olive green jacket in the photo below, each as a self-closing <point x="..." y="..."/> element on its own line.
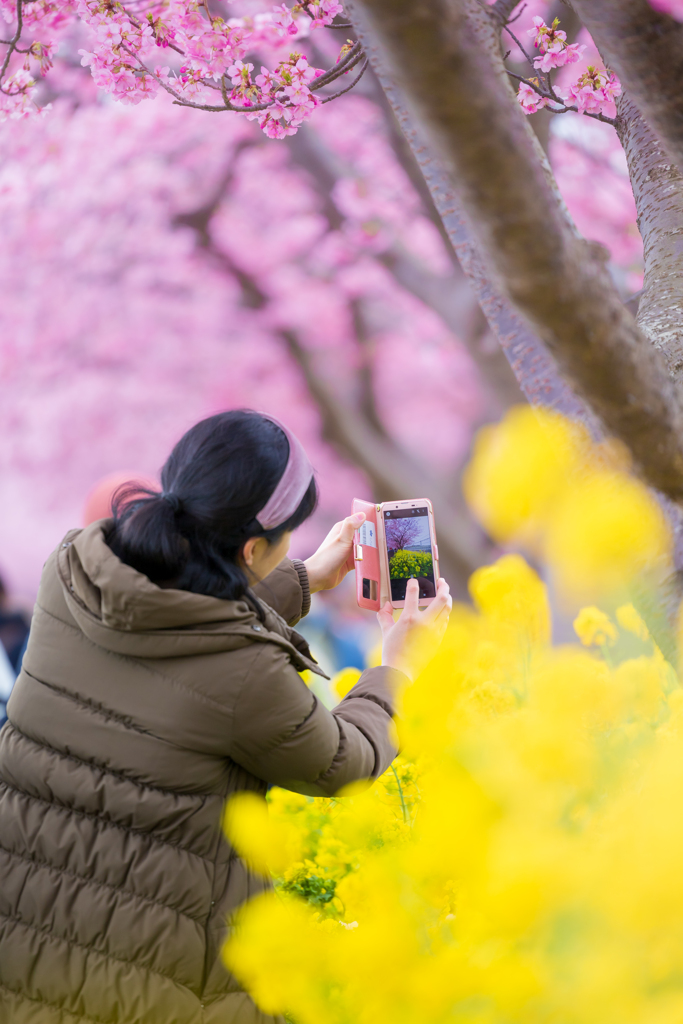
<point x="138" y="711"/>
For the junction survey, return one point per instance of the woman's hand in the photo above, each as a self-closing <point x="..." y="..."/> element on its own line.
<point x="331" y="562"/>
<point x="411" y="642"/>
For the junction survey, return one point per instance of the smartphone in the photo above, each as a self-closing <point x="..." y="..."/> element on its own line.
<point x="396" y="542"/>
<point x="410" y="548"/>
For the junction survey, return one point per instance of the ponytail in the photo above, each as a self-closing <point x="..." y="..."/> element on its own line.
<point x="216" y="480"/>
<point x="146" y="533"/>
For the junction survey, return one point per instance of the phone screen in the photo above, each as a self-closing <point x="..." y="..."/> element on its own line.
<point x="409" y="550"/>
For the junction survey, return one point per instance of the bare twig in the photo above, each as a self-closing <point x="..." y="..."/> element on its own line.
<point x="517" y="16"/>
<point x="348" y="61"/>
<point x="13" y="41"/>
<point x="502" y="9"/>
<point x="516" y="40"/>
<point x="336" y="95"/>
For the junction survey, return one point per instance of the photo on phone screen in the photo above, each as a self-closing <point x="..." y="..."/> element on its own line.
<point x="409" y="550"/>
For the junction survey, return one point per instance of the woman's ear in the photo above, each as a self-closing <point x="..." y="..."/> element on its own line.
<point x="248" y="550"/>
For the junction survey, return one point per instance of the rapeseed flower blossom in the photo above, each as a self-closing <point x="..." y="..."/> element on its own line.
<point x="537" y="481"/>
<point x="594" y="627"/>
<point x="520" y="861"/>
<point x="629" y="619"/>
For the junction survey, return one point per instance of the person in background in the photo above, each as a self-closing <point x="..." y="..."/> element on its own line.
<point x="14" y="629"/>
<point x="98" y="504"/>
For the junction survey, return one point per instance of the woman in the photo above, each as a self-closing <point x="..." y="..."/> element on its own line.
<point x="162" y="676"/>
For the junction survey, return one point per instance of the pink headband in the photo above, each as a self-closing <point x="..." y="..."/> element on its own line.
<point x="292" y="485"/>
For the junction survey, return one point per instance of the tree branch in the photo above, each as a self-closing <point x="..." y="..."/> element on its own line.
<point x="392" y="472"/>
<point x="471" y="118"/>
<point x="443" y="295"/>
<point x="646" y="51"/>
<point x="199" y="221"/>
<point x="366" y="383"/>
<point x="658" y="190"/>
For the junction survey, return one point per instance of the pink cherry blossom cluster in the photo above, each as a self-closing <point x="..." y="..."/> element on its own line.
<point x="556" y="52"/>
<point x="44" y="21"/>
<point x="530" y="100"/>
<point x="674" y="8"/>
<point x="592" y="93"/>
<point x="594" y="90"/>
<point x="202" y="62"/>
<point x="286" y="92"/>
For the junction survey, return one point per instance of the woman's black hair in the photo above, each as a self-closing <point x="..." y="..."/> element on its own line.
<point x="215" y="481"/>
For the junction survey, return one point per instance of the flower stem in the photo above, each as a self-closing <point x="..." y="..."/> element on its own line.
<point x="400" y="793"/>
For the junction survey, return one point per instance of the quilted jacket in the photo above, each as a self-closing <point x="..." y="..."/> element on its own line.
<point x="138" y="711"/>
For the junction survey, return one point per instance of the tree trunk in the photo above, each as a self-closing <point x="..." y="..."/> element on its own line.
<point x="471" y="119"/>
<point x="533" y="366"/>
<point x="646" y="51"/>
<point x="658" y="190"/>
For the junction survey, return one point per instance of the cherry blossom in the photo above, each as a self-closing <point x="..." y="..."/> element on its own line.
<point x="592" y="94"/>
<point x="594" y="90"/>
<point x="120" y="45"/>
<point x="552" y="42"/>
<point x="529" y="99"/>
<point x="674" y="8"/>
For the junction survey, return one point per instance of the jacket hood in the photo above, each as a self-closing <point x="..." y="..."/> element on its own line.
<point x="121" y="610"/>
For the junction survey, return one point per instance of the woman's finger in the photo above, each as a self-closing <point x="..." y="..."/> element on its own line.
<point x="412" y="604"/>
<point x="444" y="615"/>
<point x="348" y="527"/>
<point x="385" y="617"/>
<point x="335" y="531"/>
<point x="442" y="601"/>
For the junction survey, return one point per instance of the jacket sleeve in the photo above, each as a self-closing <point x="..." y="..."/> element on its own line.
<point x="286" y="589"/>
<point x="285" y="736"/>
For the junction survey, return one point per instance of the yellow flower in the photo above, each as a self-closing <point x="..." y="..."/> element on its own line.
<point x="266" y="845"/>
<point x="511" y="591"/>
<point x="594" y="628"/>
<point x="604" y="532"/>
<point x="629" y="619"/>
<point x="344" y="681"/>
<point x="518" y="468"/>
<point x="536" y="479"/>
<point x="525" y="865"/>
<point x="643" y="681"/>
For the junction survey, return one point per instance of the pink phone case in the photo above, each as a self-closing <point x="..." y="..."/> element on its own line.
<point x="366" y="557"/>
<point x="371" y="589"/>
